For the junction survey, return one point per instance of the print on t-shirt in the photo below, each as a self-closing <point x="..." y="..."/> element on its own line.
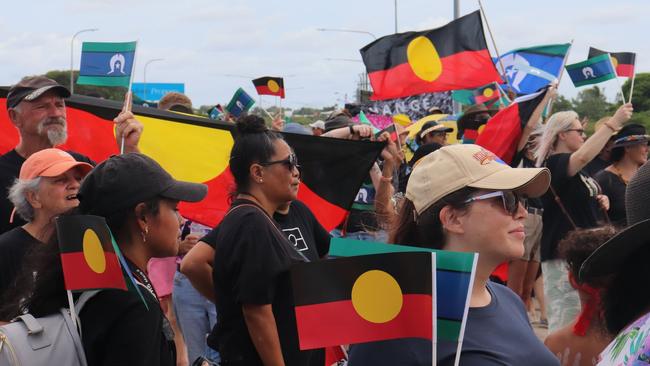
<point x="295" y="237"/>
<point x="591" y="184"/>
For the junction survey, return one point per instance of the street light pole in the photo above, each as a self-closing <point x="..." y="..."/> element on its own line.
<point x="72" y="55"/>
<point x="144" y="96"/>
<point x="347" y="31"/>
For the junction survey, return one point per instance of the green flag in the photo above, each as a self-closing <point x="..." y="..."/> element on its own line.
<point x="594" y="70"/>
<point x="106" y="64"/>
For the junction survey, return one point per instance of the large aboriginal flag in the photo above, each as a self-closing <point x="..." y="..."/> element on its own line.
<point x="623" y="61"/>
<point x="87" y="255"/>
<point x="502" y="132"/>
<point x="268" y="85"/>
<point x="363" y="299"/>
<point x="197" y="149"/>
<point x="451" y="57"/>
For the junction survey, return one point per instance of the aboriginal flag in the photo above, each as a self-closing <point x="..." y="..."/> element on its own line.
<point x="502" y="132"/>
<point x="623" y="61"/>
<point x="451" y="57"/>
<point x="269" y="85"/>
<point x="197" y="149"/>
<point x="486" y="93"/>
<point x="365" y="298"/>
<point x="87" y="255"/>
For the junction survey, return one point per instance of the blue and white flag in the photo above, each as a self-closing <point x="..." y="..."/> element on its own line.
<point x="530" y="69"/>
<point x="106" y="64"/>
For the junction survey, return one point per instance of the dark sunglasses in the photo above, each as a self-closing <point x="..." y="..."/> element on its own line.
<point x="510" y="200"/>
<point x="291" y="162"/>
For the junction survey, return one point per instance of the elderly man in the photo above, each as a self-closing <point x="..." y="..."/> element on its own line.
<point x="36" y="107"/>
<point x="46" y="187"/>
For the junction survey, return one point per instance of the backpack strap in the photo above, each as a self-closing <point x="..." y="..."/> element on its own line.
<point x="79" y="304"/>
<point x="33" y="326"/>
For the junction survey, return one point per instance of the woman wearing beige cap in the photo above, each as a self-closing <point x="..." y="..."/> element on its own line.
<point x="46" y="187"/>
<point x="464" y="198"/>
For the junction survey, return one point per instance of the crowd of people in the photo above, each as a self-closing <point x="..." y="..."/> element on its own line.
<point x="568" y="215"/>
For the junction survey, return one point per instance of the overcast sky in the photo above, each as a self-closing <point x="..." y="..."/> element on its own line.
<point x="205" y="42"/>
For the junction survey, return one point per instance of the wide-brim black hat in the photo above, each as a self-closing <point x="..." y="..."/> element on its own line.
<point x="632" y="134"/>
<point x="613" y="254"/>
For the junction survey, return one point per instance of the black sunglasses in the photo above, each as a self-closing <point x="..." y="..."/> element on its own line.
<point x="510" y="200"/>
<point x="290" y="162"/>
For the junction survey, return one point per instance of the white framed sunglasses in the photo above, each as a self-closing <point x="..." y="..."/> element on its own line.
<point x="510" y="200"/>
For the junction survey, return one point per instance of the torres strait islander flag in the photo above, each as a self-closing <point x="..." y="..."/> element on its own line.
<point x="87" y="255"/>
<point x="502" y="132"/>
<point x="365" y="298"/>
<point x="623" y="61"/>
<point x="451" y="57"/>
<point x="268" y="85"/>
<point x="197" y="149"/>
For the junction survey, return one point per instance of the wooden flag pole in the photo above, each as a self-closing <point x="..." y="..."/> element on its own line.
<point x="620" y="87"/>
<point x="632" y="86"/>
<point x="73" y="311"/>
<point x="128" y="97"/>
<point x="496" y="50"/>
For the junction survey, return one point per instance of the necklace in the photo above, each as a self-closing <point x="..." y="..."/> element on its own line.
<point x="617" y="172"/>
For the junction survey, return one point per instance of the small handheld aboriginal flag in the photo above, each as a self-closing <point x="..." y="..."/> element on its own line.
<point x="269" y="85"/>
<point x="87" y="255"/>
<point x="364" y="299"/>
<point x="623" y="61"/>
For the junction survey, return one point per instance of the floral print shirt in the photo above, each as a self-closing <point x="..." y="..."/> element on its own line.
<point x="631" y="347"/>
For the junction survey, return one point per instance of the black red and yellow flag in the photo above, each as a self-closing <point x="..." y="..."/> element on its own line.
<point x="503" y="131"/>
<point x="364" y="299"/>
<point x="269" y="85"/>
<point x="451" y="57"/>
<point x="87" y="255"/>
<point x="486" y="93"/>
<point x="623" y="61"/>
<point x="197" y="149"/>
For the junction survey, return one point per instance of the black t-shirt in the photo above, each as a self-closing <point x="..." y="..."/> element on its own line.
<point x="614" y="188"/>
<point x="301" y="228"/>
<point x="10" y="164"/>
<point x="578" y="195"/>
<point x="251" y="266"/>
<point x="595" y="166"/>
<point x="14" y="245"/>
<point x="118" y="329"/>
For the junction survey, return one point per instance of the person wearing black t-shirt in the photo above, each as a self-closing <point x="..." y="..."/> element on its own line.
<point x="629" y="153"/>
<point x="36" y="107"/>
<point x="139" y="200"/>
<point x="574" y="200"/>
<point x="253" y="297"/>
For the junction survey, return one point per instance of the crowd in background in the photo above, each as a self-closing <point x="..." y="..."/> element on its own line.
<point x="568" y="216"/>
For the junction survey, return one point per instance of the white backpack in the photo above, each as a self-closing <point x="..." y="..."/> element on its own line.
<point x="50" y="340"/>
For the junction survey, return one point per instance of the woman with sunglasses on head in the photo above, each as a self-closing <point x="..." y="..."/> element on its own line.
<point x="463" y="198"/>
<point x="574" y="200"/>
<point x="255" y="316"/>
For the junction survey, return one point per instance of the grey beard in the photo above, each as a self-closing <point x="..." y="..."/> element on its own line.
<point x="57" y="136"/>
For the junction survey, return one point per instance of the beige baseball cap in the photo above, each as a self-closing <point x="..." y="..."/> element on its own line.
<point x="453" y="167"/>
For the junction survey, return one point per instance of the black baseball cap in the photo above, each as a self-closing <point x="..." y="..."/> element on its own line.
<point x="31" y="87"/>
<point x="123" y="181"/>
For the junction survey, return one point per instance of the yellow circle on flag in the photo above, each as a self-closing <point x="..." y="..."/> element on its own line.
<point x="273" y="86"/>
<point x="488" y="92"/>
<point x="377" y="297"/>
<point x="93" y="251"/>
<point x="614" y="61"/>
<point x="423" y="58"/>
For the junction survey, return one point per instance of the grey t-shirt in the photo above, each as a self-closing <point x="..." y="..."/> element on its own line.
<point x="497" y="334"/>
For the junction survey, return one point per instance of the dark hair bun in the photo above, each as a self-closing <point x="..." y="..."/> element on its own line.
<point x="251" y="124"/>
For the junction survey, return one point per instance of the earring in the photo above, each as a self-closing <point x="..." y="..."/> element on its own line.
<point x="144" y="234"/>
<point x="261" y="180"/>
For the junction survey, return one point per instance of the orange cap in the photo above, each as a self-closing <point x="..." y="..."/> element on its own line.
<point x="50" y="163"/>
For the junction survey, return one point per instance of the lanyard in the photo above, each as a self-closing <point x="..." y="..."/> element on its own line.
<point x="141" y="278"/>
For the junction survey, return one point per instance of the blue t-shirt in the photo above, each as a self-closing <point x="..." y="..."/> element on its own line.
<point x="496" y="334"/>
